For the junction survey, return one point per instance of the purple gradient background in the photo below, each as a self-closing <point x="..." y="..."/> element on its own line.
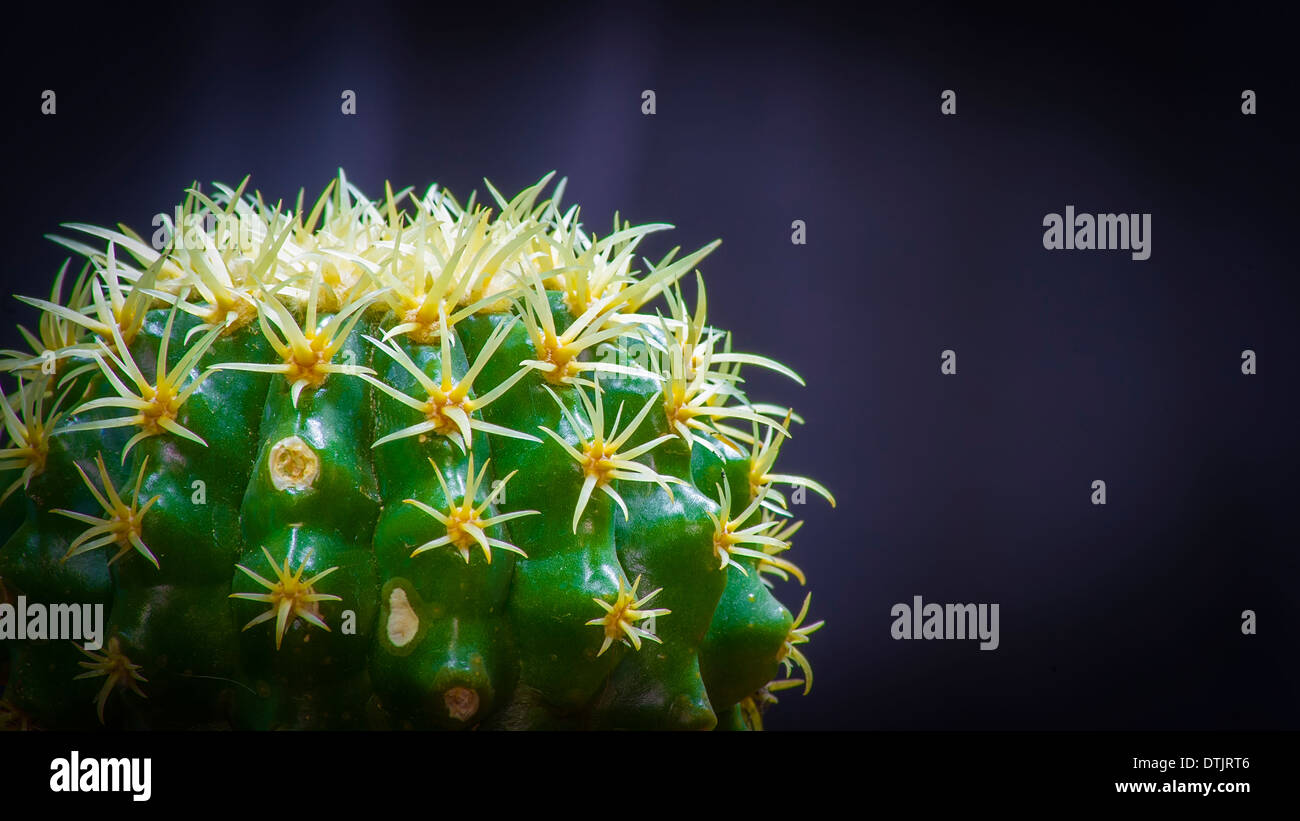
<point x="924" y="233"/>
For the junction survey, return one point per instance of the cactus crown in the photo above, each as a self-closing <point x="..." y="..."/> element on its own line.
<point x="343" y="391"/>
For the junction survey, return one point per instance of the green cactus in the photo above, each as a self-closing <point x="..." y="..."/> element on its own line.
<point x="392" y="464"/>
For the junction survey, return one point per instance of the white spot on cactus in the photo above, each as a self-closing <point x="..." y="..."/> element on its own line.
<point x="403" y="624"/>
<point x="294" y="465"/>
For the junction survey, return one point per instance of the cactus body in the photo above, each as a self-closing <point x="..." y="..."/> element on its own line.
<point x="393" y="464"/>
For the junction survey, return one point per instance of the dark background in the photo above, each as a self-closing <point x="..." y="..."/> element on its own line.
<point x="924" y="233"/>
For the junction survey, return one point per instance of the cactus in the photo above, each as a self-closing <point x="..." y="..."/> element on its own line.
<point x="401" y="463"/>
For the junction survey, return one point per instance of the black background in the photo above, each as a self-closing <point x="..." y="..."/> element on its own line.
<point x="924" y="234"/>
